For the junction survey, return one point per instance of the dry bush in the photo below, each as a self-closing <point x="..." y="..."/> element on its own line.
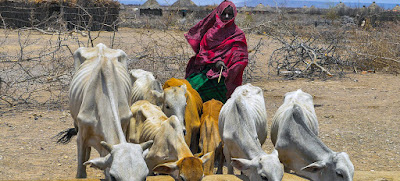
<point x="377" y="49"/>
<point x="36" y="64"/>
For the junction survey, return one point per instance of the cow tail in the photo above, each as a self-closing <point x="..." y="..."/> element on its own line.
<point x="64" y="137"/>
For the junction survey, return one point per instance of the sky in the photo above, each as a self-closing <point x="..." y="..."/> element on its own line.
<point x="210" y="2"/>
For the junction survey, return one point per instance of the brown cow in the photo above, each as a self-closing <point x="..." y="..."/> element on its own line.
<point x="210" y="140"/>
<point x="194" y="105"/>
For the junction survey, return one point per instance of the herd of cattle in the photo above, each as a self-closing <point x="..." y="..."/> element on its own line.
<point x="141" y="127"/>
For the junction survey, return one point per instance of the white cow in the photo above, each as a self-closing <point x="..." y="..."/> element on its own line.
<point x="146" y="87"/>
<point x="243" y="128"/>
<point x="99" y="105"/>
<point x="294" y="133"/>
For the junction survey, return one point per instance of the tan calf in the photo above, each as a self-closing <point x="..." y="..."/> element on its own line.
<point x="210" y="140"/>
<point x="169" y="153"/>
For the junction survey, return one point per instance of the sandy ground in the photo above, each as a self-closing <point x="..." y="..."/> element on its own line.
<point x="358" y="114"/>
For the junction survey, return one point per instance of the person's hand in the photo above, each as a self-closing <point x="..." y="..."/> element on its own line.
<point x="220" y="64"/>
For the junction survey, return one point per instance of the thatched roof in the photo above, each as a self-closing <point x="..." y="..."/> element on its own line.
<point x="260" y="7"/>
<point x="150" y="4"/>
<point x="244" y="8"/>
<point x="340" y="5"/>
<point x="396" y="8"/>
<point x="373" y="6"/>
<point x="184" y="4"/>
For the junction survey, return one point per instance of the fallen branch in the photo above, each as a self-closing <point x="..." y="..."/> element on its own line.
<point x="313" y="62"/>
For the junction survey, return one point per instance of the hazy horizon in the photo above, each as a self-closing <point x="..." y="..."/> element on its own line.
<point x="285" y="3"/>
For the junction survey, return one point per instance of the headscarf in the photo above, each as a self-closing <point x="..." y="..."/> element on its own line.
<point x="213" y="40"/>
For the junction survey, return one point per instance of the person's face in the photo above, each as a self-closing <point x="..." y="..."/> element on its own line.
<point x="227" y="14"/>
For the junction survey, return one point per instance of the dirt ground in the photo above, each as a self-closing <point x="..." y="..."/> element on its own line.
<point x="358" y="115"/>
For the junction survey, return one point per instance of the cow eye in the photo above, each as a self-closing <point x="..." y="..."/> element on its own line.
<point x="181" y="178"/>
<point x="113" y="178"/>
<point x="167" y="106"/>
<point x="264" y="178"/>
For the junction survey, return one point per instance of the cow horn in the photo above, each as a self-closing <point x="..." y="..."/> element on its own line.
<point x="106" y="146"/>
<point x="146" y="145"/>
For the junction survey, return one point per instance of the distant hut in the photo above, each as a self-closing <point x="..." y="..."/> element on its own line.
<point x="341" y="9"/>
<point x="313" y="10"/>
<point x="304" y="9"/>
<point x="374" y="8"/>
<point x="396" y="8"/>
<point x="244" y="9"/>
<point x="183" y="7"/>
<point x="268" y="8"/>
<point x="151" y="7"/>
<point x="97" y="14"/>
<point x="260" y="9"/>
<point x="363" y="11"/>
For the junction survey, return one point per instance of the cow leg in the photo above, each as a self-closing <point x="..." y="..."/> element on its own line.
<point x="82" y="156"/>
<point x="228" y="160"/>
<point x="194" y="143"/>
<point x="188" y="139"/>
<point x="221" y="158"/>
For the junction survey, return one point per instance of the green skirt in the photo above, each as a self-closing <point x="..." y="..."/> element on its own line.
<point x="208" y="88"/>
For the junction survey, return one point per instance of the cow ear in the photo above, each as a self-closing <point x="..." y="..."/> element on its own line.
<point x="157" y="86"/>
<point x="157" y="94"/>
<point x="135" y="74"/>
<point x="314" y="167"/>
<point x="78" y="57"/>
<point x="206" y="157"/>
<point x="166" y="168"/>
<point x="242" y="164"/>
<point x="100" y="163"/>
<point x="184" y="87"/>
<point x="122" y="57"/>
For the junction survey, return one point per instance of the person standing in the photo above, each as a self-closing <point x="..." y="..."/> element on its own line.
<point x="221" y="54"/>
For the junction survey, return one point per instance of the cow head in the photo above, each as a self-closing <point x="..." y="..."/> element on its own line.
<point x="125" y="161"/>
<point x="337" y="167"/>
<point x="300" y="97"/>
<point x="175" y="103"/>
<point x="188" y="168"/>
<point x="265" y="167"/>
<point x="146" y="87"/>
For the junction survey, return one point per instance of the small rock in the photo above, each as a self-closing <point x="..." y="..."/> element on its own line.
<point x="59" y="164"/>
